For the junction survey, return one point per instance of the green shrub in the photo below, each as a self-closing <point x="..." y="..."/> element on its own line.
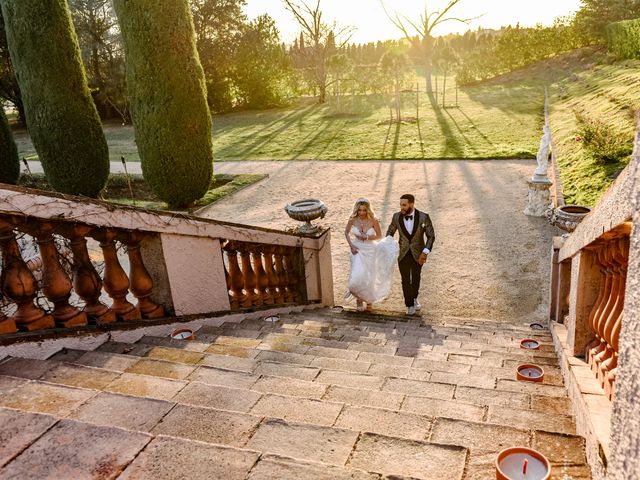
<point x="604" y="143"/>
<point x="167" y="89"/>
<point x="623" y="38"/>
<point x="60" y="114"/>
<point x="9" y="160"/>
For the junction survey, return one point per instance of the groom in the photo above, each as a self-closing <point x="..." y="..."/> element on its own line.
<point x="416" y="239"/>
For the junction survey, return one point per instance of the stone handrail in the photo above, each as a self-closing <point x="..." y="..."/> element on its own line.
<point x="191" y="266"/>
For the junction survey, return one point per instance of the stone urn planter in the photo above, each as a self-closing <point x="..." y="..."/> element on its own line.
<point x="567" y="217"/>
<point x="306" y="211"/>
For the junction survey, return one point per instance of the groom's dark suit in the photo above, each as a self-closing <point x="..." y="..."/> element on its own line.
<point x="412" y="245"/>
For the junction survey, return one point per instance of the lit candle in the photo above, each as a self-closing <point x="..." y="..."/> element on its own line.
<point x="520" y="463"/>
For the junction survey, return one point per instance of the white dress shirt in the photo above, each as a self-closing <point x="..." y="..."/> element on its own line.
<point x="408" y="224"/>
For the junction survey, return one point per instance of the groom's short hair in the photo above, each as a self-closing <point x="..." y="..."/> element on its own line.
<point x="409" y="197"/>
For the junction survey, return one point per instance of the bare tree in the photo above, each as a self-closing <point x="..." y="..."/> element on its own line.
<point x="423" y="29"/>
<point x="321" y="39"/>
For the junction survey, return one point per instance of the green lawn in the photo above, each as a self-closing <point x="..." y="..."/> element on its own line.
<point x="495" y="121"/>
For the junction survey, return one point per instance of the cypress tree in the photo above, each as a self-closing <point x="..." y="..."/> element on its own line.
<point x="9" y="161"/>
<point x="167" y="90"/>
<point x="61" y="117"/>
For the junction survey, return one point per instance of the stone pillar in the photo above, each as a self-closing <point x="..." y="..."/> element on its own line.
<point x="319" y="271"/>
<point x="585" y="282"/>
<point x="562" y="294"/>
<point x="539" y="197"/>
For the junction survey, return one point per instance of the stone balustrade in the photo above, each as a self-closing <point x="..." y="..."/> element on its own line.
<point x="142" y="265"/>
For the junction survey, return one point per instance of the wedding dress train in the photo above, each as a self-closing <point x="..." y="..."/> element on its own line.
<point x="372" y="268"/>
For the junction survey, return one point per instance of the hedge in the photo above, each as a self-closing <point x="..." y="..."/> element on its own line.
<point x="61" y="117"/>
<point x="9" y="161"/>
<point x="168" y="96"/>
<point x="623" y="38"/>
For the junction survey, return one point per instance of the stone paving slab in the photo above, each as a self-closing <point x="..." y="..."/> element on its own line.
<point x="385" y="422"/>
<point x="465" y="380"/>
<point x="482" y="396"/>
<point x="131" y="413"/>
<point x="368" y="398"/>
<point x="340" y="364"/>
<point x="400" y="372"/>
<point x="271" y="467"/>
<point x="175" y="355"/>
<point x="10" y="383"/>
<point x="420" y="460"/>
<point x="443" y="408"/>
<point x="214" y="396"/>
<point x="107" y="361"/>
<point x="560" y="448"/>
<point x="168" y="458"/>
<point x="532" y="419"/>
<point x="301" y="410"/>
<point x="442" y="391"/>
<point x="232" y="351"/>
<point x="146" y="386"/>
<point x="532" y="387"/>
<point x="233" y="340"/>
<point x="329" y="352"/>
<point x="160" y="368"/>
<point x="18" y="430"/>
<point x="290" y="386"/>
<point x="44" y="398"/>
<point x="135" y="349"/>
<point x="63" y="453"/>
<point x="477" y="437"/>
<point x="208" y="425"/>
<point x="80" y="376"/>
<point x="309" y="442"/>
<point x="286" y="370"/>
<point x="560" y="405"/>
<point x="365" y="347"/>
<point x="285" y="357"/>
<point x="198" y="345"/>
<point x="26" y="367"/>
<point x="67" y="355"/>
<point x="385" y="359"/>
<point x="347" y="379"/>
<point x="226" y="362"/>
<point x="216" y="376"/>
<point x="436" y="366"/>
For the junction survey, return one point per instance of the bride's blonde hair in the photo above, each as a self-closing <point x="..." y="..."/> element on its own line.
<point x="363" y="202"/>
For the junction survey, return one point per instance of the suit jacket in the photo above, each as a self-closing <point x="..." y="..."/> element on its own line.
<point x="422" y="236"/>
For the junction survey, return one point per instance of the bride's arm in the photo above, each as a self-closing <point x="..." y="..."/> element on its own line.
<point x="378" y="229"/>
<point x="347" y="234"/>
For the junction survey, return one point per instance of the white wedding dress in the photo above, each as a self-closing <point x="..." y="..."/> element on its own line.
<point x="372" y="267"/>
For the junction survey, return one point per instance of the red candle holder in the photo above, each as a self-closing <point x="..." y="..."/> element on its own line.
<point x="522" y="463"/>
<point x="530" y="344"/>
<point x="530" y="373"/>
<point x="183" y="334"/>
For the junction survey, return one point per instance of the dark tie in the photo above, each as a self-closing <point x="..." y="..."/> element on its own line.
<point x="408" y="217"/>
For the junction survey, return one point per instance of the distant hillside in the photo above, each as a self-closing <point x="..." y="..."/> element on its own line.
<point x="590" y="81"/>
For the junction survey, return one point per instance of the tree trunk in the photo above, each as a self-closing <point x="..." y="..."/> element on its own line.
<point x="427" y="72"/>
<point x="323" y="93"/>
<point x="444" y="89"/>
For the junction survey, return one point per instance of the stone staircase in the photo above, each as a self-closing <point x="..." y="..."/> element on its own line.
<point x="316" y="395"/>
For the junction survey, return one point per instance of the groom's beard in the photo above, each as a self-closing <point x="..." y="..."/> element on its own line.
<point x="407" y="211"/>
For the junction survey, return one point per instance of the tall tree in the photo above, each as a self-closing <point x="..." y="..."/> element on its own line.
<point x="9" y="161"/>
<point x="61" y="117"/>
<point x="594" y="16"/>
<point x="420" y="32"/>
<point x="168" y="98"/>
<point x="339" y="65"/>
<point x="394" y="66"/>
<point x="9" y="89"/>
<point x="321" y="39"/>
<point x="101" y="48"/>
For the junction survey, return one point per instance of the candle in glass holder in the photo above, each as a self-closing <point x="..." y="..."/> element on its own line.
<point x="529" y="344"/>
<point x="530" y="373"/>
<point x="521" y="463"/>
<point x="183" y="334"/>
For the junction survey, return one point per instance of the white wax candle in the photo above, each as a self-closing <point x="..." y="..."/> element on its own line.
<point x="530" y="372"/>
<point x="513" y="465"/>
<point x="530" y="344"/>
<point x="182" y="335"/>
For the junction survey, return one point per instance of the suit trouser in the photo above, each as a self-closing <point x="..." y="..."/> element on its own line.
<point x="410" y="271"/>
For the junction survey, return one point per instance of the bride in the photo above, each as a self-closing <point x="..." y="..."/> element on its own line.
<point x="372" y="259"/>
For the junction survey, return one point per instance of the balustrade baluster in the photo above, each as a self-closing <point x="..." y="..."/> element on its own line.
<point x="250" y="280"/>
<point x="599" y="303"/>
<point x="280" y="275"/>
<point x="291" y="288"/>
<point x="271" y="274"/>
<point x="86" y="281"/>
<point x="116" y="282"/>
<point x="7" y="325"/>
<point x="237" y="279"/>
<point x="233" y="301"/>
<point x="56" y="284"/>
<point x="141" y="281"/>
<point x="262" y="280"/>
<point x="605" y="306"/>
<point x="19" y="284"/>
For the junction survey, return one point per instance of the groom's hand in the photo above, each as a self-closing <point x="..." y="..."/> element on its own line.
<point x="422" y="259"/>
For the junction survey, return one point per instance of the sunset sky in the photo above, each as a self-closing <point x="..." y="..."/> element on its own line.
<point x="371" y="24"/>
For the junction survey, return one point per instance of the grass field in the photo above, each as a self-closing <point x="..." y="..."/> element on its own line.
<point x="496" y="121"/>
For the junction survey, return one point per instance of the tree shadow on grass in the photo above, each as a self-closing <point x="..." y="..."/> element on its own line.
<point x="453" y="148"/>
<point x="476" y="128"/>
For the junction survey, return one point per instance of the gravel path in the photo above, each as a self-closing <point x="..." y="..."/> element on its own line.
<point x="489" y="260"/>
